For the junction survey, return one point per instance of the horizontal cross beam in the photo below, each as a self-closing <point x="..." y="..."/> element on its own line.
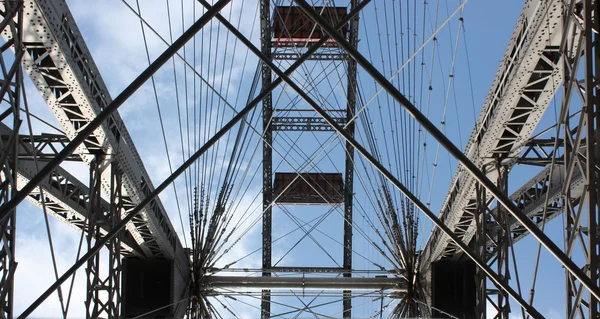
<point x="393" y="284"/>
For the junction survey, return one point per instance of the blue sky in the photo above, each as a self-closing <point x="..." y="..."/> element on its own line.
<point x="116" y="45"/>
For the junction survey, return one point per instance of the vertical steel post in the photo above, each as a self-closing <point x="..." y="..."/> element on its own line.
<point x="590" y="110"/>
<point x="8" y="186"/>
<point x="94" y="213"/>
<point x="114" y="245"/>
<point x="573" y="213"/>
<point x="349" y="174"/>
<point x="502" y="266"/>
<point x="480" y="247"/>
<point x="8" y="156"/>
<point x="267" y="112"/>
<point x="581" y="156"/>
<point x="103" y="297"/>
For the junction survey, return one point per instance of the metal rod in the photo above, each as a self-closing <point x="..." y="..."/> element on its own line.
<point x="385" y="172"/>
<point x="452" y="149"/>
<point x="238" y="117"/>
<point x="394" y="284"/>
<point x="351" y="90"/>
<point x="589" y="111"/>
<point x="112" y="107"/>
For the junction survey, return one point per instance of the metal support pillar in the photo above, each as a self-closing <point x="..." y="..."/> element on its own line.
<point x="103" y="297"/>
<point x="573" y="212"/>
<point x="267" y="112"/>
<point x="591" y="113"/>
<point x="8" y="186"/>
<point x="10" y="91"/>
<point x="481" y="251"/>
<point x="349" y="177"/>
<point x="585" y="209"/>
<point x="502" y="246"/>
<point x="8" y="180"/>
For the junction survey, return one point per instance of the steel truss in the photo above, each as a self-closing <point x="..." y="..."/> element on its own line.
<point x="282" y="123"/>
<point x="10" y="93"/>
<point x="61" y="195"/>
<point x="45" y="146"/>
<point x="568" y="183"/>
<point x="494" y="230"/>
<point x="581" y="155"/>
<point x="267" y="162"/>
<point x="503" y="121"/>
<point x="103" y="291"/>
<point x="502" y="246"/>
<point x="352" y="89"/>
<point x="150" y="200"/>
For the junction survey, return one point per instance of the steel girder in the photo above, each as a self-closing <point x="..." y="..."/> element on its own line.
<point x="267" y="162"/>
<point x="62" y="69"/>
<point x="151" y="199"/>
<point x="531" y="198"/>
<point x="522" y="89"/>
<point x="11" y="79"/>
<point x="352" y="90"/>
<point x="393" y="284"/>
<point x="296" y="123"/>
<point x="44" y="147"/>
<point x="566" y="183"/>
<point x="271" y="124"/>
<point x="64" y="196"/>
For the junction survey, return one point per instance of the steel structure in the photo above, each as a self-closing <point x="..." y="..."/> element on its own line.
<point x="553" y="49"/>
<point x="9" y="159"/>
<point x="270" y="48"/>
<point x="57" y="61"/>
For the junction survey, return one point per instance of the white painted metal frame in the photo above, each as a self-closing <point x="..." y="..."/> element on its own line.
<point x="61" y="67"/>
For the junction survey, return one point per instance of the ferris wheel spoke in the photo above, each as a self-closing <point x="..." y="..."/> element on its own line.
<point x="306" y="233"/>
